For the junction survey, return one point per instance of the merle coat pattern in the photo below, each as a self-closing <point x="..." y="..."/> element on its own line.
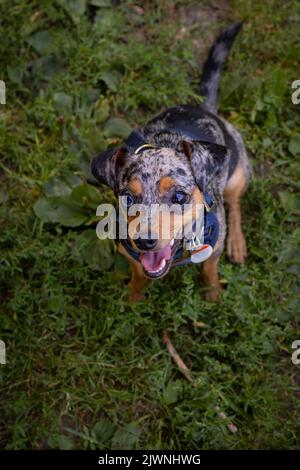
<point x="217" y="163"/>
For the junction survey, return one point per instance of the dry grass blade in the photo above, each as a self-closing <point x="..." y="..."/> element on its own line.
<point x="177" y="359"/>
<point x="188" y="375"/>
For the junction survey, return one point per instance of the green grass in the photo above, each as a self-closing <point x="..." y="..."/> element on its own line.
<point x="85" y="369"/>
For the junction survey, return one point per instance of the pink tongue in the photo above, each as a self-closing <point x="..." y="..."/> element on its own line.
<point x="151" y="261"/>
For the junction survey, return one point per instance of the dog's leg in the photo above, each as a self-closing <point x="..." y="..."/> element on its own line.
<point x="211" y="278"/>
<point x="137" y="282"/>
<point x="236" y="243"/>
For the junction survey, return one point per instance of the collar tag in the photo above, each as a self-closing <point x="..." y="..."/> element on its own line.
<point x="195" y="242"/>
<point x="198" y="256"/>
<point x="199" y="251"/>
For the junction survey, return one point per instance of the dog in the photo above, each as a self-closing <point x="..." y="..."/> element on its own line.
<point x="188" y="154"/>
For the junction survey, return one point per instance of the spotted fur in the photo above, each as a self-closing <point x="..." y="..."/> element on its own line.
<point x="211" y="162"/>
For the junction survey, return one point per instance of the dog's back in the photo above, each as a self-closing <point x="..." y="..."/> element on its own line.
<point x="202" y="122"/>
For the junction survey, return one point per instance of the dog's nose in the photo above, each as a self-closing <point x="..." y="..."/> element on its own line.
<point x="145" y="244"/>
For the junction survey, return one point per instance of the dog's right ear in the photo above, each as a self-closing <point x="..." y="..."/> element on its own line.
<point x="105" y="167"/>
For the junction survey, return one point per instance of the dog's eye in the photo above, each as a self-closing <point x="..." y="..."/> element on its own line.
<point x="128" y="199"/>
<point x="179" y="197"/>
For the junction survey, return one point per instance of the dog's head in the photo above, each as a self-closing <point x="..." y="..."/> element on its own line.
<point x="172" y="174"/>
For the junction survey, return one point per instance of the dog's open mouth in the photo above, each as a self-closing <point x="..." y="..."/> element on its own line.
<point x="157" y="263"/>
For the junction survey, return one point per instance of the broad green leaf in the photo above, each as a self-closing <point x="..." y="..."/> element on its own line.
<point x="268" y="346"/>
<point x="63" y="102"/>
<point x="42" y="42"/>
<point x="84" y="164"/>
<point x="86" y="195"/>
<point x="111" y="79"/>
<point x="74" y="8"/>
<point x="98" y="254"/>
<point x="3" y="196"/>
<point x="60" y="209"/>
<point x="104" y="430"/>
<point x="63" y="185"/>
<point x="52" y="65"/>
<point x="290" y="255"/>
<point x="126" y="437"/>
<point x="15" y="74"/>
<point x="90" y="96"/>
<point x="117" y="127"/>
<point x="172" y="392"/>
<point x="47" y="67"/>
<point x="65" y="443"/>
<point x="44" y="210"/>
<point x="282" y="314"/>
<point x="293" y="269"/>
<point x="290" y="201"/>
<point x="71" y="179"/>
<point x="267" y="142"/>
<point x="100" y="3"/>
<point x="288" y="310"/>
<point x="294" y="145"/>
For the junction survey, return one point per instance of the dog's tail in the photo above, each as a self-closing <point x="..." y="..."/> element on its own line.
<point x="214" y="64"/>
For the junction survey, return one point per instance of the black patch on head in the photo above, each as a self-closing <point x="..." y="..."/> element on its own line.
<point x="145" y="176"/>
<point x="130" y="171"/>
<point x="180" y="171"/>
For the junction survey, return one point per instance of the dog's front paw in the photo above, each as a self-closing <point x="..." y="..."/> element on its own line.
<point x="136" y="297"/>
<point x="236" y="248"/>
<point x="213" y="294"/>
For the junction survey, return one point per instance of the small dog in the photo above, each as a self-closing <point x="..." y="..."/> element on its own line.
<point x="187" y="154"/>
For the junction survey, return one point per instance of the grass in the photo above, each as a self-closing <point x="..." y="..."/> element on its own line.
<point x="85" y="369"/>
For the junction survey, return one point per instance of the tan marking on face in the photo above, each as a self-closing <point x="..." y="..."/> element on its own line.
<point x="197" y="196"/>
<point x="165" y="225"/>
<point x="133" y="227"/>
<point x="176" y="221"/>
<point x="136" y="187"/>
<point x="191" y="214"/>
<point x="165" y="184"/>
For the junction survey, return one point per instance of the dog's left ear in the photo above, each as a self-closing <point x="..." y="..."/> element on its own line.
<point x="105" y="167"/>
<point x="207" y="160"/>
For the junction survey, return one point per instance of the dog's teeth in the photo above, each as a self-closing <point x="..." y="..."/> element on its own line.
<point x="161" y="267"/>
<point x="172" y="242"/>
